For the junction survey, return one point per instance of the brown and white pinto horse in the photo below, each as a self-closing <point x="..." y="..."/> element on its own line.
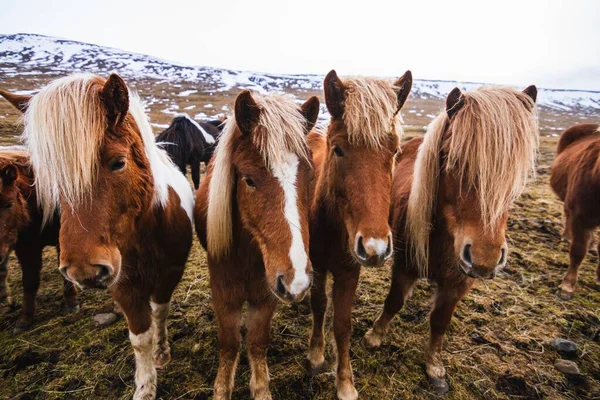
<point x="575" y="178"/>
<point x="126" y="210"/>
<point x="21" y="230"/>
<point x="450" y="199"/>
<point x="349" y="215"/>
<point x="251" y="215"/>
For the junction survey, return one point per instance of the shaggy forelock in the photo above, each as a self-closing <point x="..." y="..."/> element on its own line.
<point x="64" y="128"/>
<point x="371" y="111"/>
<point x="491" y="146"/>
<point x="280" y="130"/>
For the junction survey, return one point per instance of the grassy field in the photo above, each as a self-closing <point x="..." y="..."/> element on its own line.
<point x="498" y="345"/>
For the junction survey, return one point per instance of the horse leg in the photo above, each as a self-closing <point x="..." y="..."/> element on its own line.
<point x="344" y="288"/>
<point x="69" y="292"/>
<point x="400" y="290"/>
<point x="598" y="269"/>
<point x="137" y="310"/>
<point x="259" y="327"/>
<point x="31" y="265"/>
<point x="195" y="167"/>
<point x="446" y="300"/>
<point x="4" y="291"/>
<point x="579" y="245"/>
<point x="160" y="303"/>
<point x="318" y="304"/>
<point x="228" y="321"/>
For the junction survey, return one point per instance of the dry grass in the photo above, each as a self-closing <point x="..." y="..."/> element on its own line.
<point x="497" y="347"/>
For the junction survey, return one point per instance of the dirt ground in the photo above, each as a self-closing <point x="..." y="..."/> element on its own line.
<point x="498" y="346"/>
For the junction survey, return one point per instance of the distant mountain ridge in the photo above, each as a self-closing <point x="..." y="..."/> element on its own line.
<point x="26" y="54"/>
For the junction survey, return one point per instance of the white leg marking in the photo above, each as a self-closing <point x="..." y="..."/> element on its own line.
<point x="161" y="351"/>
<point x="286" y="174"/>
<point x="145" y="373"/>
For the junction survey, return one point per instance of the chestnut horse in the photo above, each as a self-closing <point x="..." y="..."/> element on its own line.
<point x="349" y="215"/>
<point x="252" y="217"/>
<point x="189" y="143"/>
<point x="450" y="199"/>
<point x="21" y="222"/>
<point x="575" y="178"/>
<point x="125" y="209"/>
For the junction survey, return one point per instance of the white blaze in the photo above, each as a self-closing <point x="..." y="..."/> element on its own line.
<point x="286" y="174"/>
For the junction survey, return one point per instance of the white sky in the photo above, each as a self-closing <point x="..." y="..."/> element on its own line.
<point x="550" y="43"/>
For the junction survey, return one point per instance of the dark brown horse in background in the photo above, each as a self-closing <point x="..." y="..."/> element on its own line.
<point x="451" y="193"/>
<point x="252" y="218"/>
<point x="125" y="209"/>
<point x="349" y="215"/>
<point x="575" y="178"/>
<point x="189" y="142"/>
<point x="21" y="230"/>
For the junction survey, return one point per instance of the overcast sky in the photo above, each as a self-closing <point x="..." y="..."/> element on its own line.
<point x="550" y="43"/>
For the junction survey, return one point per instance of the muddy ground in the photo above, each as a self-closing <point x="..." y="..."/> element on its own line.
<point x="498" y="346"/>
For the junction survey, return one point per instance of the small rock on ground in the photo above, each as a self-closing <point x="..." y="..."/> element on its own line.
<point x="566" y="367"/>
<point x="103" y="320"/>
<point x="565" y="347"/>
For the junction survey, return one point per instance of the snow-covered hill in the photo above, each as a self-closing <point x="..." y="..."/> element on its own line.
<point x="28" y="54"/>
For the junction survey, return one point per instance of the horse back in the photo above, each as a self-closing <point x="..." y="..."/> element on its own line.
<point x="576" y="133"/>
<point x="575" y="174"/>
<point x="201" y="205"/>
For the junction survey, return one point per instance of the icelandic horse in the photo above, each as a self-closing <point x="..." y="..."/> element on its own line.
<point x="575" y="178"/>
<point x="451" y="193"/>
<point x="251" y="216"/>
<point x="349" y="225"/>
<point x="21" y="222"/>
<point x="189" y="142"/>
<point x="125" y="209"/>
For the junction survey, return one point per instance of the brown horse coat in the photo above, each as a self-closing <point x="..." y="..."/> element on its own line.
<point x="575" y="178"/>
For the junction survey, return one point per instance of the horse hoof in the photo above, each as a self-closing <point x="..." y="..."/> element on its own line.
<point x="372" y="340"/>
<point x="72" y="308"/>
<point x="144" y="393"/>
<point x="346" y="391"/>
<point x="23" y="325"/>
<point x="439" y="385"/>
<point x="162" y="357"/>
<point x="316" y="369"/>
<point x="563" y="294"/>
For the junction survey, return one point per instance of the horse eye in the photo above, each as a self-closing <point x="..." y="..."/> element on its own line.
<point x="249" y="182"/>
<point x="117" y="163"/>
<point x="338" y="151"/>
<point x="8" y="205"/>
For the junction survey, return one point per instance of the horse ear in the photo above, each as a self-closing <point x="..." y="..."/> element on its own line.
<point x="247" y="112"/>
<point x="454" y="102"/>
<point x="334" y="94"/>
<point x="115" y="96"/>
<point x="9" y="174"/>
<point x="19" y="101"/>
<point x="530" y="91"/>
<point x="310" y="110"/>
<point x="404" y="83"/>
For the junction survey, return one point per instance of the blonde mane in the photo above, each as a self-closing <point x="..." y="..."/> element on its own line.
<point x="371" y="111"/>
<point x="491" y="145"/>
<point x="280" y="131"/>
<point x="64" y="128"/>
<point x="65" y="125"/>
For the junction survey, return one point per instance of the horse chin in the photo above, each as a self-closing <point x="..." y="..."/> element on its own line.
<point x="469" y="272"/>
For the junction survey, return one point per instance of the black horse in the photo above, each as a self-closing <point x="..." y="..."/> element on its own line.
<point x="189" y="142"/>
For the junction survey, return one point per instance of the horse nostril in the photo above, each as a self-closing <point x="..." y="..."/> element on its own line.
<point x="281" y="290"/>
<point x="389" y="249"/>
<point x="502" y="257"/>
<point x="466" y="254"/>
<point x="360" y="248"/>
<point x="103" y="272"/>
<point x="63" y="270"/>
